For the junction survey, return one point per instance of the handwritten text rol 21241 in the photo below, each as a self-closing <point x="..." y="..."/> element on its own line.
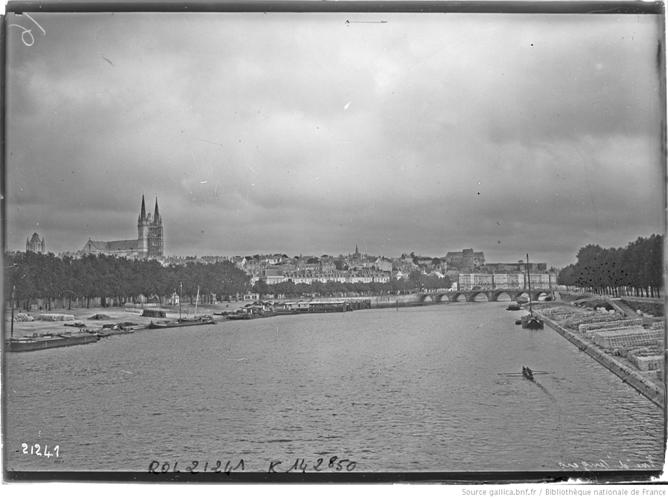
<point x="196" y="466"/>
<point x="297" y="465"/>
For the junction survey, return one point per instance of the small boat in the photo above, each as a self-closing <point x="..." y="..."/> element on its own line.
<point x="527" y="373"/>
<point x="514" y="306"/>
<point x="531" y="322"/>
<point x="239" y="316"/>
<point x="285" y="312"/>
<point x="200" y="320"/>
<point x="75" y="324"/>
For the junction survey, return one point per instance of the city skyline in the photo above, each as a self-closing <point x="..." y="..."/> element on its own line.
<point x="428" y="133"/>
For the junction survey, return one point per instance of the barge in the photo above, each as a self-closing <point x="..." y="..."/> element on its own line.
<point x="198" y="321"/>
<point x="32" y="343"/>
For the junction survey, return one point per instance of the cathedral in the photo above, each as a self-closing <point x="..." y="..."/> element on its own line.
<point x="35" y="244"/>
<point x="149" y="242"/>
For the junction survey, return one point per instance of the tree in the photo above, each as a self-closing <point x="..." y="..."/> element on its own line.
<point x="637" y="268"/>
<point x="261" y="288"/>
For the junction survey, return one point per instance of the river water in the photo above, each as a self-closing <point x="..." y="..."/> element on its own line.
<point x="413" y="389"/>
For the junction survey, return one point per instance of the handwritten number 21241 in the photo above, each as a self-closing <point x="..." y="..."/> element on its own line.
<point x="38" y="450"/>
<point x="27" y="37"/>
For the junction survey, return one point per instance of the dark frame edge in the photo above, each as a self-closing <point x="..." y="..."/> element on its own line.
<point x="387" y="6"/>
<point x="635" y="477"/>
<point x="3" y="219"/>
<point x="629" y="477"/>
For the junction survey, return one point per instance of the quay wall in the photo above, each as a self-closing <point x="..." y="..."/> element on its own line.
<point x="391" y="301"/>
<point x="652" y="391"/>
<point x="379" y="301"/>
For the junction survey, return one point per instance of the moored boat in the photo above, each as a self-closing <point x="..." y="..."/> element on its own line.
<point x="239" y="316"/>
<point x="531" y="321"/>
<point x="49" y="341"/>
<point x="197" y="321"/>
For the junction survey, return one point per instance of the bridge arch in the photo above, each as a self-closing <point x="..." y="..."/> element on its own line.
<point x="477" y="294"/>
<point x="502" y="296"/>
<point x="441" y="298"/>
<point x="457" y="295"/>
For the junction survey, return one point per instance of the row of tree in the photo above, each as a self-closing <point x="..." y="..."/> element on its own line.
<point x="48" y="277"/>
<point x="636" y="269"/>
<point x="32" y="276"/>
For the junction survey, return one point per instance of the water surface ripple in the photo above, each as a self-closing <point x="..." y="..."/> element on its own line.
<point x="414" y="389"/>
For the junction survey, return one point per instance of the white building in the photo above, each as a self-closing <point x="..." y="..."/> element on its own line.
<point x="505" y="281"/>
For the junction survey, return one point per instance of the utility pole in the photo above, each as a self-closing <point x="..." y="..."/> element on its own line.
<point x="11" y="331"/>
<point x="529" y="283"/>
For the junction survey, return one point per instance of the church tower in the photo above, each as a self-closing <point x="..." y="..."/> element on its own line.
<point x="156" y="245"/>
<point x="150" y="243"/>
<point x="142" y="231"/>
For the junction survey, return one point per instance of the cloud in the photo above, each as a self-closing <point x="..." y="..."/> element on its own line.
<point x="302" y="133"/>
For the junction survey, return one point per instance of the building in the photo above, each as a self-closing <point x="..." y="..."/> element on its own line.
<point x="383" y="264"/>
<point x="274" y="275"/>
<point x="35" y="244"/>
<point x="505" y="268"/>
<point x="469" y="281"/>
<point x="475" y="281"/>
<point x="465" y="260"/>
<point x="510" y="281"/>
<point x="149" y="242"/>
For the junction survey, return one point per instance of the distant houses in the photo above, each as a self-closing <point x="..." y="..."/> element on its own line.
<point x="465" y="269"/>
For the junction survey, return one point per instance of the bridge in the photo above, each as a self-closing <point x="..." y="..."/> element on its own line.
<point x="490" y="294"/>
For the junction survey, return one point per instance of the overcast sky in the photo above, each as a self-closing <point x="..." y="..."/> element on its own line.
<point x="304" y="133"/>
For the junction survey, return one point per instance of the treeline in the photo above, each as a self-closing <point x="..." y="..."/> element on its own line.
<point x="636" y="269"/>
<point x="50" y="278"/>
<point x="414" y="282"/>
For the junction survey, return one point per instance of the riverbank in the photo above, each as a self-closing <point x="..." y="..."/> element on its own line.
<point x="620" y="343"/>
<point x="96" y="318"/>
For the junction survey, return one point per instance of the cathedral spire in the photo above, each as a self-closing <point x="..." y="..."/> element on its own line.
<point x="142" y="215"/>
<point x="156" y="212"/>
